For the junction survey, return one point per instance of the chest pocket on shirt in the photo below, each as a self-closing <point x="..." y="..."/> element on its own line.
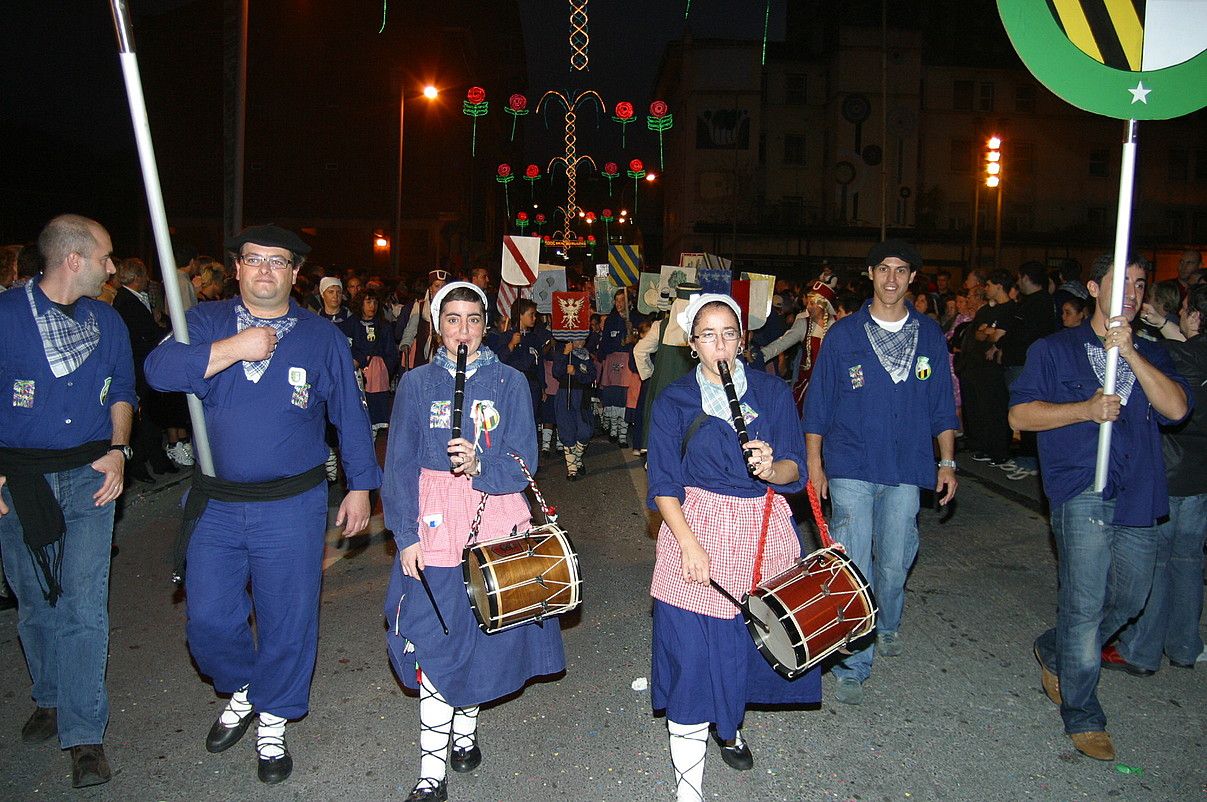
<point x="1077" y="390"/>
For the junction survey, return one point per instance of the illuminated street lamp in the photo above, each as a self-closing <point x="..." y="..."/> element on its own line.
<point x="993" y="180"/>
<point x="431" y="93"/>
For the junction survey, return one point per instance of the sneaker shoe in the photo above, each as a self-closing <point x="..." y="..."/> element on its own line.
<point x="980" y="456"/>
<point x="1021" y="473"/>
<point x="181" y="453"/>
<point x="850" y="691"/>
<point x="1113" y="660"/>
<point x="1005" y="465"/>
<point x="1094" y="744"/>
<point x="1202" y="658"/>
<point x="888" y="644"/>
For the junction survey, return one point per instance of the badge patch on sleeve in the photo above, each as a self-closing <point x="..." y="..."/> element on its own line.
<point x="856" y="372"/>
<point x="23" y="393"/>
<point x="441" y="415"/>
<point x="301" y="396"/>
<point x="105" y="389"/>
<point x="922" y="369"/>
<point x="748" y="413"/>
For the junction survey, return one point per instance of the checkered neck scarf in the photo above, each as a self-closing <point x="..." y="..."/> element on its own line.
<point x="894" y="349"/>
<point x="1125" y="380"/>
<point x="712" y="396"/>
<point x="67" y="342"/>
<point x="449" y="362"/>
<point x="254" y="371"/>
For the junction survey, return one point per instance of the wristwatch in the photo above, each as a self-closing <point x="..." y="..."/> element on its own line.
<point x="127" y="452"/>
<point x="947" y="463"/>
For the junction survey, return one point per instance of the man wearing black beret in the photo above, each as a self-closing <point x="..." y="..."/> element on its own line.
<point x="270" y="375"/>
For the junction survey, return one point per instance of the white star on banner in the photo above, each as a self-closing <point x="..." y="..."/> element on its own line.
<point x="1140" y="94"/>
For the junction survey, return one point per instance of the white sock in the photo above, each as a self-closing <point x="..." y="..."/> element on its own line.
<point x="465" y="728"/>
<point x="236" y="708"/>
<point x="689" y="747"/>
<point x="435" y="724"/>
<point x="270" y="738"/>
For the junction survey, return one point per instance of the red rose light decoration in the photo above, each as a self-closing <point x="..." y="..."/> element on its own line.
<point x="624" y="116"/>
<point x="636" y="172"/>
<point x="532" y="174"/>
<point x="610" y="171"/>
<point x="660" y="120"/>
<point x="474" y="106"/>
<point x="517" y="107"/>
<point x="505" y="178"/>
<point x="590" y="218"/>
<point x="540" y="218"/>
<point x="607" y="215"/>
<point x="532" y="171"/>
<point x="521" y="221"/>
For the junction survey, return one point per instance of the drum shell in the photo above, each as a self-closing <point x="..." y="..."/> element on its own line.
<point x="813" y="609"/>
<point x="503" y="578"/>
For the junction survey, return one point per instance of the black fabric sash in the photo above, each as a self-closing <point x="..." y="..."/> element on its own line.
<point x="36" y="507"/>
<point x="208" y="487"/>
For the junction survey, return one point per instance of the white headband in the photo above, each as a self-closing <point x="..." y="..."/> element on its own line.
<point x="688" y="316"/>
<point x="438" y="298"/>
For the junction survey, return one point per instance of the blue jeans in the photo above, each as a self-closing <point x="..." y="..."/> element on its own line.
<point x="1170" y="621"/>
<point x="67" y="646"/>
<point x="1105" y="573"/>
<point x="878" y="525"/>
<point x="278" y="546"/>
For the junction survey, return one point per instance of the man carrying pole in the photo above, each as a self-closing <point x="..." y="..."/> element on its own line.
<point x="1105" y="539"/>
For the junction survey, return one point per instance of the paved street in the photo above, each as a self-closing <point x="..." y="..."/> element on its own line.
<point x="959" y="716"/>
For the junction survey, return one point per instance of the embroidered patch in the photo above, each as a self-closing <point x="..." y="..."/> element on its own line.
<point x="856" y="376"/>
<point x="748" y="414"/>
<point x="297" y="377"/>
<point x="441" y="415"/>
<point x="301" y="396"/>
<point x="922" y="369"/>
<point x="23" y="393"/>
<point x="105" y="389"/>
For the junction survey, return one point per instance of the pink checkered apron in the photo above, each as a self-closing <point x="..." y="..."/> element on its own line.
<point x="447" y="504"/>
<point x="728" y="530"/>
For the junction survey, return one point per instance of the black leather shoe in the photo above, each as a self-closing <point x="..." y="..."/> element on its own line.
<point x="8" y="602"/>
<point x="42" y="724"/>
<point x="465" y="760"/>
<point x="736" y="757"/>
<point x="424" y="792"/>
<point x="222" y="737"/>
<point x="89" y="766"/>
<point x="276" y="769"/>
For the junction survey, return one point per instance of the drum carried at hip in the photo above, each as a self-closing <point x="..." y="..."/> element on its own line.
<point x="525" y="578"/>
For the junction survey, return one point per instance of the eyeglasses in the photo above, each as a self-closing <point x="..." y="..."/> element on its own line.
<point x="709" y="337"/>
<point x="254" y="260"/>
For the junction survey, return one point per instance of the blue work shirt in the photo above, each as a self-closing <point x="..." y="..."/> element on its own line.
<point x="1058" y="371"/>
<point x="275" y="427"/>
<point x="714" y="459"/>
<point x="874" y="430"/>
<point x="421" y="426"/>
<point x="39" y="410"/>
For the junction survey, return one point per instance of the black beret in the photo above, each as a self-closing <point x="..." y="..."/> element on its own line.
<point x="898" y="248"/>
<point x="269" y="236"/>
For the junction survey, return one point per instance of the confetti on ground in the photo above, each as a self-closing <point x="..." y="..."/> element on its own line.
<point x="640" y="684"/>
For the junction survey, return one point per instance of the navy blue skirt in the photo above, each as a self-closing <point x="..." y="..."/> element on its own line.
<point x="707" y="669"/>
<point x="467" y="666"/>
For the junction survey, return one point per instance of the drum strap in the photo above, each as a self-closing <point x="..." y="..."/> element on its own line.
<point x="691" y="432"/>
<point x="823" y="529"/>
<point x="768" y="500"/>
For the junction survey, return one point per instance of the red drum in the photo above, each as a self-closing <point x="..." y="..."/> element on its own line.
<point x="518" y="580"/>
<point x="809" y="611"/>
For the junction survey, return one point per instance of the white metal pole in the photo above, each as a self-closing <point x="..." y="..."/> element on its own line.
<point x="159" y="218"/>
<point x="1123" y="225"/>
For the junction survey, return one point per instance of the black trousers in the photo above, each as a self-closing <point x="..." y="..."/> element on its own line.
<point x="986" y="405"/>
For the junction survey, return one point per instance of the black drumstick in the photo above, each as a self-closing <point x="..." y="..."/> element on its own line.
<point x="736" y="603"/>
<point x="458" y="393"/>
<point x="735" y="410"/>
<point x="428" y="589"/>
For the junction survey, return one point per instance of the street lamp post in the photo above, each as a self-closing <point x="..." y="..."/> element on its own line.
<point x="430" y="92"/>
<point x="993" y="180"/>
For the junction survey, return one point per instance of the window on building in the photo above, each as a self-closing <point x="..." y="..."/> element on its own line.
<point x="1100" y="162"/>
<point x="1020" y="159"/>
<point x="961" y="95"/>
<point x="1024" y="98"/>
<point x="792" y="210"/>
<point x="961" y="155"/>
<point x="1098" y="218"/>
<point x="958" y="215"/>
<point x="1179" y="164"/>
<point x="985" y="97"/>
<point x="794" y="89"/>
<point x="794" y="149"/>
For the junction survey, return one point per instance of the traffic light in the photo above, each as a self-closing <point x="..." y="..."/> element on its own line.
<point x="993" y="161"/>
